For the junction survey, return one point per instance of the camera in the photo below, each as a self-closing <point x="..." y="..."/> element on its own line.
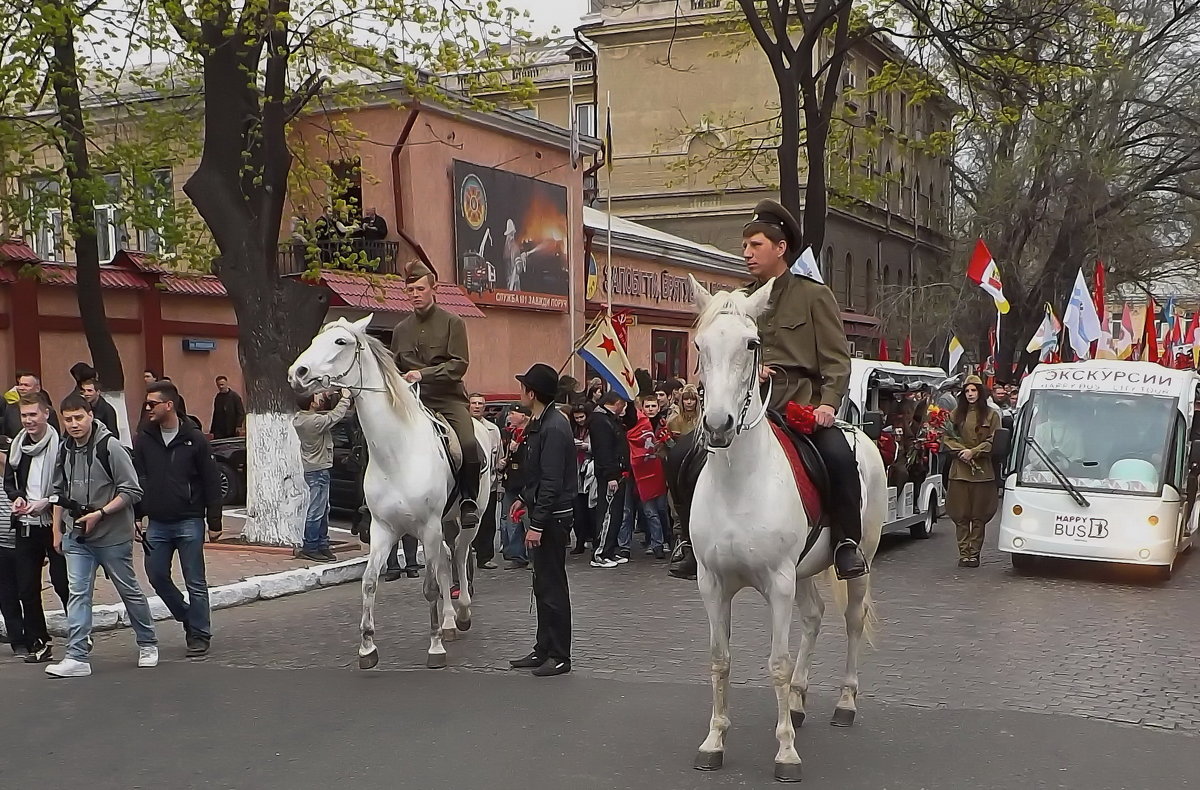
<point x="76" y="511"/>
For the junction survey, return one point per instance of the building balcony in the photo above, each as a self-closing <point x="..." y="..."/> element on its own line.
<point x="350" y="254"/>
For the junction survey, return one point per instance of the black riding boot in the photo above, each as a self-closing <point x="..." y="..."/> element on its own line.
<point x="468" y="489"/>
<point x="684" y="462"/>
<point x="845" y="503"/>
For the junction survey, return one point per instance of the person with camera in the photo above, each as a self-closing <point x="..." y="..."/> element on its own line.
<point x="314" y="426"/>
<point x="95" y="491"/>
<point x="182" y="490"/>
<point x="29" y="483"/>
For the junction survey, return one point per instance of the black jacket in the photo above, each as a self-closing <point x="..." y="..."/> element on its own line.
<point x="551" y="471"/>
<point x="228" y="415"/>
<point x="514" y="466"/>
<point x="106" y="414"/>
<point x="180" y="481"/>
<point x="610" y="449"/>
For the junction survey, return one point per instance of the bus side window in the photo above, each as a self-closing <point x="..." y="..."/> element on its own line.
<point x="1179" y="452"/>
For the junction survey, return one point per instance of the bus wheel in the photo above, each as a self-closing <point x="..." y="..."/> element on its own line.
<point x="923" y="529"/>
<point x="1023" y="563"/>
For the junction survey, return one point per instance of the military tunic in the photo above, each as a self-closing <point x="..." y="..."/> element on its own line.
<point x="803" y="338"/>
<point x="435" y="343"/>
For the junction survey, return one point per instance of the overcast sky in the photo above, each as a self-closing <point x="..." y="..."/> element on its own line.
<point x="546" y="14"/>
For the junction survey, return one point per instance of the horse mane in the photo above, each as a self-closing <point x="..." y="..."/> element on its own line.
<point x="399" y="391"/>
<point x="722" y="303"/>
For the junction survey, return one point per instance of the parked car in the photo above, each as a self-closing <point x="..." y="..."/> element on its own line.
<point x="345" y="484"/>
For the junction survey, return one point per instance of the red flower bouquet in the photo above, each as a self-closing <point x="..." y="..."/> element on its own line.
<point x="801" y="419"/>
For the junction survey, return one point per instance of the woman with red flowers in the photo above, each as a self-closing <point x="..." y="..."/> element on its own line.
<point x="971" y="492"/>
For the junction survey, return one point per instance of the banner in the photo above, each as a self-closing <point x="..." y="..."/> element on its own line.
<point x="510" y="238"/>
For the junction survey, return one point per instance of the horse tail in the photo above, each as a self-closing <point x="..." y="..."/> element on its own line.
<point x="841" y="600"/>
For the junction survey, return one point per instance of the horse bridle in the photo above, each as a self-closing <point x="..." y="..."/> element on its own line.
<point x="740" y="425"/>
<point x="336" y="381"/>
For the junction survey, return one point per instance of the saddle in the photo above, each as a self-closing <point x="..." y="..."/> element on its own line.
<point x="449" y="439"/>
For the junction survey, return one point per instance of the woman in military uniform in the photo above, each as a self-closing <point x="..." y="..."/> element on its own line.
<point x="971" y="499"/>
<point x="806" y="357"/>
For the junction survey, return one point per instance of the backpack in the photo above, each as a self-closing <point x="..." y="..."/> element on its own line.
<point x="102" y="453"/>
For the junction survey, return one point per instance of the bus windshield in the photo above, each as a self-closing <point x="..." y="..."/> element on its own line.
<point x="1091" y="439"/>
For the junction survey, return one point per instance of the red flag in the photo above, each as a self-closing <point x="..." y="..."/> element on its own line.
<point x="907" y="350"/>
<point x="1098" y="298"/>
<point x="620" y="322"/>
<point x="883" y="352"/>
<point x="1150" y="334"/>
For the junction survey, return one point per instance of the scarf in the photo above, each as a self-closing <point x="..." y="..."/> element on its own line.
<point x="49" y="442"/>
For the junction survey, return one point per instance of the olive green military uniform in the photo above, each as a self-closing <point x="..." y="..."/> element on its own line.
<point x="803" y="339"/>
<point x="971" y="498"/>
<point x="435" y="343"/>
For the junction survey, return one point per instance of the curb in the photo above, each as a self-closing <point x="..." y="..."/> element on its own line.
<point x="106" y="617"/>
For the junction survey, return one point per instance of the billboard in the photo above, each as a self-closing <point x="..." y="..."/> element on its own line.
<point x="510" y="238"/>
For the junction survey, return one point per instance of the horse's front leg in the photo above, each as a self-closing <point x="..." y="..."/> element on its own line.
<point x="781" y="597"/>
<point x="462" y="565"/>
<point x="436" y="585"/>
<point x="717" y="603"/>
<point x="858" y="610"/>
<point x="382" y="540"/>
<point x="812" y="609"/>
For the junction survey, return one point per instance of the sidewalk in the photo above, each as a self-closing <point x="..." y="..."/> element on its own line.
<point x="226" y="563"/>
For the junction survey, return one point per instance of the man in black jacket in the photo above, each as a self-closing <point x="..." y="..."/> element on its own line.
<point x="547" y="505"/>
<point x="181" y="489"/>
<point x="610" y="454"/>
<point x="229" y="414"/>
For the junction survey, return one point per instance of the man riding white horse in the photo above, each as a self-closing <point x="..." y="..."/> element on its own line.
<point x="806" y="358"/>
<point x="430" y="348"/>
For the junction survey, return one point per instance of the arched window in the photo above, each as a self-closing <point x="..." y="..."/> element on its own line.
<point x="871" y="289"/>
<point x="916" y="200"/>
<point x="848" y="279"/>
<point x="827" y="267"/>
<point x="887" y="186"/>
<point x="887" y="274"/>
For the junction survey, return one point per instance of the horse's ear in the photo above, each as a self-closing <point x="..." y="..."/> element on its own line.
<point x="756" y="303"/>
<point x="361" y="324"/>
<point x="699" y="295"/>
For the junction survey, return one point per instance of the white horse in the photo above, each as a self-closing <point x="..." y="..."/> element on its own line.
<point x="749" y="529"/>
<point x="408" y="481"/>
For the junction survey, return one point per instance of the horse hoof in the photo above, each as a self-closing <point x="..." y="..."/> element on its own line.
<point x="842" y="717"/>
<point x="787" y="772"/>
<point x="436" y="661"/>
<point x="369" y="660"/>
<point x="462" y="625"/>
<point x="708" y="761"/>
<point x="797" y="719"/>
<point x="449" y="634"/>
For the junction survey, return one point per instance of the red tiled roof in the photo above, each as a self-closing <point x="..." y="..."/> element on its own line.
<point x="17" y="251"/>
<point x="192" y="285"/>
<point x="387" y="295"/>
<point x="59" y="274"/>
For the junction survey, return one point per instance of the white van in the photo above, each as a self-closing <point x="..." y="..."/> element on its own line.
<point x="1101" y="465"/>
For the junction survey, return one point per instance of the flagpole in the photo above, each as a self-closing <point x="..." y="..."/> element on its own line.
<point x="608" y="210"/>
<point x="570" y="237"/>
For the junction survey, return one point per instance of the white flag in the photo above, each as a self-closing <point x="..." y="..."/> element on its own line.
<point x="806" y="266"/>
<point x="1081" y="319"/>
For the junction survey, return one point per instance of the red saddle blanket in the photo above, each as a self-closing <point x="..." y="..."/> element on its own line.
<point x="804" y="483"/>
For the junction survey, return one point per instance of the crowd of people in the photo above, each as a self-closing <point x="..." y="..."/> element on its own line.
<point x="75" y="499"/>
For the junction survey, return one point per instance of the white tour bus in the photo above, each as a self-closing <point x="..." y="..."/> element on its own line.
<point x="909" y="507"/>
<point x="1100" y="466"/>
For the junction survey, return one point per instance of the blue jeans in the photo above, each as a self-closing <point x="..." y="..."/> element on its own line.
<point x="658" y="518"/>
<point x="316" y="523"/>
<point x="512" y="535"/>
<point x="117" y="561"/>
<point x="632" y="512"/>
<point x="186" y="537"/>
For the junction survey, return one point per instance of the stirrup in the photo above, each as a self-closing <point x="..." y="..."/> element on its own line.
<point x="677" y="552"/>
<point x="852" y="573"/>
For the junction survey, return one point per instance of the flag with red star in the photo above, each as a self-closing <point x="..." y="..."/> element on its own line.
<point x="603" y="351"/>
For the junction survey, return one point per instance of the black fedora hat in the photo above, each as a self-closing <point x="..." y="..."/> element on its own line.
<point x="769" y="212"/>
<point x="542" y="380"/>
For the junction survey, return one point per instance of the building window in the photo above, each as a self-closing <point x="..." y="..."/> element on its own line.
<point x="159" y="195"/>
<point x="848" y="280"/>
<point x="871" y="291"/>
<point x="668" y="354"/>
<point x="110" y="220"/>
<point x="827" y="267"/>
<point x="585" y="119"/>
<point x="46" y="223"/>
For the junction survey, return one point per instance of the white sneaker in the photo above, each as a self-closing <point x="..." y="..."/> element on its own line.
<point x="147" y="656"/>
<point x="69" y="668"/>
<point x="603" y="563"/>
<point x="621" y="559"/>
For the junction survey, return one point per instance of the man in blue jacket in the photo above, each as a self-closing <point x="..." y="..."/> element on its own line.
<point x="181" y="490"/>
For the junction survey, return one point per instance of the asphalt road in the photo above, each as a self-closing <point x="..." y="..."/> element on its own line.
<point x="982" y="679"/>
